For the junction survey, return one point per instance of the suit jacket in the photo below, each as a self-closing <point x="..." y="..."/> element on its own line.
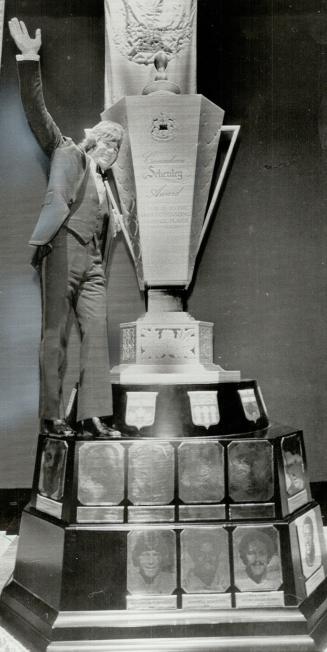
<point x="71" y="196"/>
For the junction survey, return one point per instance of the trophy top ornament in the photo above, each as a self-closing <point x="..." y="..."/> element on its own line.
<point x="161" y="83"/>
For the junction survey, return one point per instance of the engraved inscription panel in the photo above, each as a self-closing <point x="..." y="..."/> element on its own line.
<point x="53" y="469"/>
<point x="151" y="473"/>
<point x="257" y="562"/>
<point x="151" y="562"/>
<point x="250" y="469"/>
<point x="205" y="560"/>
<point x="101" y="473"/>
<point x="201" y="472"/>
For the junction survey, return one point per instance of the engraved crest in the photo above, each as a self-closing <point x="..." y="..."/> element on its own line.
<point x="204" y="408"/>
<point x="250" y="404"/>
<point x="140" y="409"/>
<point x="163" y="127"/>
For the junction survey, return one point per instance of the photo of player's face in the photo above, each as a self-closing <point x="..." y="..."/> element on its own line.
<point x="250" y="471"/>
<point x="151" y="562"/>
<point x="309" y="543"/>
<point x="205" y="562"/>
<point x="52" y="471"/>
<point x="101" y="473"/>
<point x="257" y="558"/>
<point x="201" y="472"/>
<point x="293" y="465"/>
<point x="150" y="474"/>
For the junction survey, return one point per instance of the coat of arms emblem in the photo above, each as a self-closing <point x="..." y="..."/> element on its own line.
<point x="250" y="404"/>
<point x="204" y="408"/>
<point x="140" y="409"/>
<point x="163" y="127"/>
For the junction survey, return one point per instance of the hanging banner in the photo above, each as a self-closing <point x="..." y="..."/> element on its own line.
<point x="2" y="15"/>
<point x="135" y="31"/>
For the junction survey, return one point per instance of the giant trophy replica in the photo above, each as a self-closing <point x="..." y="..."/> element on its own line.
<point x="196" y="530"/>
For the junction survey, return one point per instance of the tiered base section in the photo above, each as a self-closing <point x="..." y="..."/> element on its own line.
<point x="183" y="543"/>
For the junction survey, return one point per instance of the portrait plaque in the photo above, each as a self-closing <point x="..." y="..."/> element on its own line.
<point x="294" y="472"/>
<point x="53" y="469"/>
<point x="151" y="473"/>
<point x="201" y="472"/>
<point x="257" y="562"/>
<point x="101" y="473"/>
<point x="250" y="471"/>
<point x="205" y="560"/>
<point x="309" y="544"/>
<point x="151" y="562"/>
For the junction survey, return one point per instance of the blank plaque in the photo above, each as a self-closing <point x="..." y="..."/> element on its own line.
<point x="201" y="472"/>
<point x="151" y="562"/>
<point x="53" y="469"/>
<point x="101" y="473"/>
<point x="250" y="471"/>
<point x="151" y="473"/>
<point x="205" y="560"/>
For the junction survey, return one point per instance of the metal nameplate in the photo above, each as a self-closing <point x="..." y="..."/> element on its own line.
<point x="314" y="581"/>
<point x="48" y="506"/>
<point x="260" y="599"/>
<point x="151" y="602"/>
<point x="296" y="501"/>
<point x="100" y="515"/>
<point x="207" y="601"/>
<point x="264" y="510"/>
<point x="202" y="512"/>
<point x="151" y="514"/>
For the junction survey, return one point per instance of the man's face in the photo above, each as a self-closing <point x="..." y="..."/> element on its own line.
<point x="150" y="562"/>
<point x="257" y="559"/>
<point x="105" y="153"/>
<point x="205" y="564"/>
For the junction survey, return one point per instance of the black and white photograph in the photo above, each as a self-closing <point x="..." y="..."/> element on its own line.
<point x="205" y="560"/>
<point x="201" y="472"/>
<point x="100" y="473"/>
<point x="257" y="558"/>
<point x="250" y="471"/>
<point x="53" y="469"/>
<point x="163" y="276"/>
<point x="151" y="562"/>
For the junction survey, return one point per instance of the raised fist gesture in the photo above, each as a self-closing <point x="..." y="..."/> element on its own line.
<point x="24" y="42"/>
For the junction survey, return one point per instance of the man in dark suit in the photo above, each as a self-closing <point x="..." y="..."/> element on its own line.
<point x="68" y="254"/>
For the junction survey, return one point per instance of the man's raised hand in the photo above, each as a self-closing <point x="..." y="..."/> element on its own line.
<point x="24" y="42"/>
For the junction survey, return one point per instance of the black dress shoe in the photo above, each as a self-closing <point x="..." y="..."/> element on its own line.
<point x="56" y="428"/>
<point x="98" y="429"/>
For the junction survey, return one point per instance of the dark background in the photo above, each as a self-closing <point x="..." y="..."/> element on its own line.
<point x="262" y="274"/>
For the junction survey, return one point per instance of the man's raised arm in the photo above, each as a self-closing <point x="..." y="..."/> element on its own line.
<point x="41" y="122"/>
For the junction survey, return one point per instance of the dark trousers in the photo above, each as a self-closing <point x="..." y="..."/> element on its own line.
<point x="72" y="279"/>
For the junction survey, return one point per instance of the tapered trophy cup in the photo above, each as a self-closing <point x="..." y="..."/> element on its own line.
<point x="168" y="179"/>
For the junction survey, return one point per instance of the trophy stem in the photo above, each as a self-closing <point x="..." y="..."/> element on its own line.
<point x="165" y="300"/>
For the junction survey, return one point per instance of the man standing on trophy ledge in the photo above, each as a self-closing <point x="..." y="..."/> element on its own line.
<point x="68" y="254"/>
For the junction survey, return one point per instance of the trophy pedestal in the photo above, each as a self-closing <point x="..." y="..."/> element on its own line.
<point x="192" y="544"/>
